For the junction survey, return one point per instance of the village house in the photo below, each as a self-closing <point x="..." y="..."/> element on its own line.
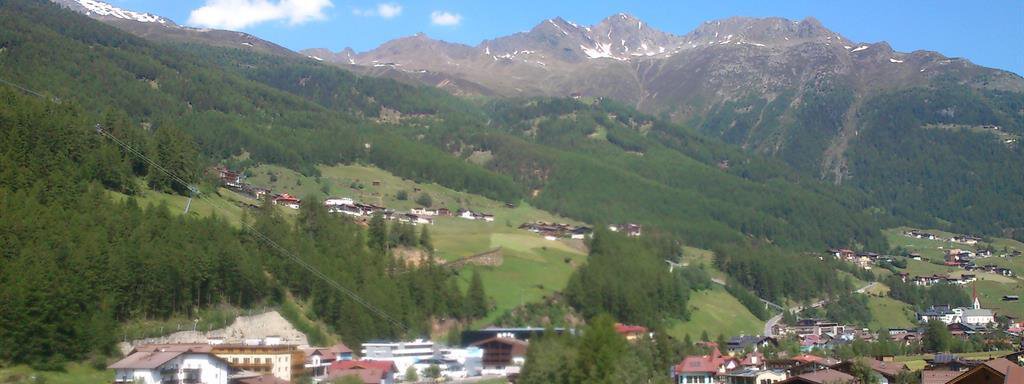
<point x="754" y="376"/>
<point x="470" y="215"/>
<point x="286" y="200"/>
<point x="181" y="363"/>
<point x="884" y="372"/>
<point x="369" y="371"/>
<point x="319" y="359"/>
<point x="704" y="369"/>
<point x="752" y="343"/>
<point x="967" y="240"/>
<point x="999" y="371"/>
<point x="920" y="235"/>
<point x="283" y="361"/>
<point x="403" y="353"/>
<point x="975" y="315"/>
<point x="632" y="333"/>
<point x="502" y="355"/>
<point x="629" y="229"/>
<point x="825" y="376"/>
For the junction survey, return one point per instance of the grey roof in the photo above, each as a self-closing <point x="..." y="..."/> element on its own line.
<point x="977" y="312"/>
<point x="146" y="360"/>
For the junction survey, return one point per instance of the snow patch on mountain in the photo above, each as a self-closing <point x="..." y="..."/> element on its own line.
<point x="104" y="9"/>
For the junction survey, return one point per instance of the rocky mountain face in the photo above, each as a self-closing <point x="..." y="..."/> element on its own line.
<point x="788" y="88"/>
<point x="159" y="28"/>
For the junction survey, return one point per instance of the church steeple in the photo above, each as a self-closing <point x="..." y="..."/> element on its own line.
<point x="977" y="304"/>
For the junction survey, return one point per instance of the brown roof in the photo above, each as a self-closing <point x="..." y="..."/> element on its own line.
<point x="824" y="376"/>
<point x="182" y="347"/>
<point x="145" y="360"/>
<point x="938" y="377"/>
<point x="265" y="379"/>
<point x="1012" y="372"/>
<point x="368" y="376"/>
<point x="518" y="346"/>
<point x="889" y="369"/>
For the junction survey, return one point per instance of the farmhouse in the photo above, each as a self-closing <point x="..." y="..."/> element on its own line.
<point x="186" y="363"/>
<point x="286" y="200"/>
<point x="502" y="356"/>
<point x="630" y="229"/>
<point x="318" y="359"/>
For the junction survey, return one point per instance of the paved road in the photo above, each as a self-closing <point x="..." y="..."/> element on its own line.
<point x="768" y="325"/>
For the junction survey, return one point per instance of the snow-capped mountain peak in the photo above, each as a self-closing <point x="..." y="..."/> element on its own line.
<point x="102" y="9"/>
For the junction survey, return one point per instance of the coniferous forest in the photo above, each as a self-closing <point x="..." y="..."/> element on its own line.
<point x="81" y="256"/>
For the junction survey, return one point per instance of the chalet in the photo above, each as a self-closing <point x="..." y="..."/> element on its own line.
<point x="369" y="371"/>
<point x="184" y="363"/>
<point x="286" y="200"/>
<point x="753" y="343"/>
<point x="816" y="327"/>
<point x="338" y="201"/>
<point x="502" y="356"/>
<point x="938" y="377"/>
<point x="229" y="178"/>
<point x="968" y="240"/>
<point x="471" y="337"/>
<point x="884" y="372"/>
<point x="423" y="211"/>
<point x="754" y="376"/>
<point x="414" y="219"/>
<point x="319" y="359"/>
<point x="801" y="364"/>
<point x="632" y="333"/>
<point x="997" y="371"/>
<point x="580" y="233"/>
<point x="825" y="376"/>
<point x="470" y="215"/>
<point x="443" y="212"/>
<point x="703" y="369"/>
<point x="921" y="235"/>
<point x="629" y="229"/>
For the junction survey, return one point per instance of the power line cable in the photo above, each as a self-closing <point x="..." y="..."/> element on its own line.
<point x="259" y="235"/>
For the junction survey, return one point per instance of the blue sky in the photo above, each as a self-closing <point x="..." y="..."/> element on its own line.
<point x="989" y="33"/>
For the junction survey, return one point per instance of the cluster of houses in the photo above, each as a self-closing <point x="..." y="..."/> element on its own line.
<point x="483" y="352"/>
<point x="973" y="316"/>
<point x="735" y="367"/>
<point x="252" y="361"/>
<point x="926" y="281"/>
<point x="235" y="181"/>
<point x="960" y="239"/>
<point x="554" y="231"/>
<point x="861" y="259"/>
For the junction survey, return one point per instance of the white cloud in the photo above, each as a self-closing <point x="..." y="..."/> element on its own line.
<point x="238" y="14"/>
<point x="384" y="10"/>
<point x="389" y="10"/>
<point x="445" y="18"/>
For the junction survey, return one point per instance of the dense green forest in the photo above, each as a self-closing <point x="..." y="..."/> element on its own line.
<point x="951" y="173"/>
<point x="649" y="296"/>
<point x="75" y="262"/>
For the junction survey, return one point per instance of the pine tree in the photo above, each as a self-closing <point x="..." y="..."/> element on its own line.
<point x="425" y="241"/>
<point x="476" y="299"/>
<point x="378" y="233"/>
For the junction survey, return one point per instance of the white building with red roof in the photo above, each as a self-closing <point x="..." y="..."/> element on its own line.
<point x="704" y="369"/>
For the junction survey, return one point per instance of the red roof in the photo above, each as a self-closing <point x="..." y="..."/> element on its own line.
<point x="286" y="197"/>
<point x="805" y="358"/>
<point x="624" y="329"/>
<point x="381" y="365"/>
<point x="701" y="364"/>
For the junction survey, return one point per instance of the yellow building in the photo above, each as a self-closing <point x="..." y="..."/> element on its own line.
<point x="283" y="361"/>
